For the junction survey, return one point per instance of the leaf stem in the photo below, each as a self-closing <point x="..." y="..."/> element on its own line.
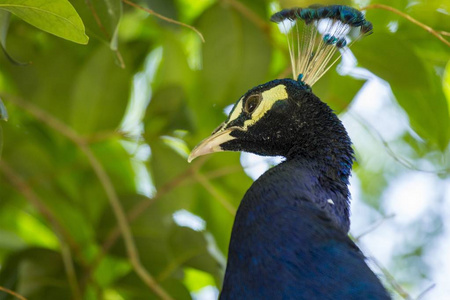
<point x="411" y="19"/>
<point x="62" y="235"/>
<point x="8" y="291"/>
<point x="152" y="12"/>
<point x="114" y="201"/>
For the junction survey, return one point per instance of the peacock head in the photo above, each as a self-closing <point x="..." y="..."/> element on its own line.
<point x="283" y="117"/>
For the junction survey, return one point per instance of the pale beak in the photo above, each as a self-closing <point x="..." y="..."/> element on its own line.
<point x="212" y="144"/>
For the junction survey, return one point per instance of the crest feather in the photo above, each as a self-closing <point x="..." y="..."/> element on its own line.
<point x="316" y="33"/>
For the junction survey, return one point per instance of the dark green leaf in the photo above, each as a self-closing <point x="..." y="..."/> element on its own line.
<point x="101" y="18"/>
<point x="337" y="91"/>
<point x="94" y="83"/>
<point x="392" y="59"/>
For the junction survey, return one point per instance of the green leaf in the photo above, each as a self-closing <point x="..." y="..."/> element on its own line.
<point x="57" y="17"/>
<point x="336" y="90"/>
<point x="446" y="85"/>
<point x="101" y="18"/>
<point x="36" y="273"/>
<point x="94" y="82"/>
<point x="392" y="59"/>
<point x="428" y="113"/>
<point x="236" y="56"/>
<point x="4" y="25"/>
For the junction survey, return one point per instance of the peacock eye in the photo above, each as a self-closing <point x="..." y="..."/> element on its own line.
<point x="252" y="103"/>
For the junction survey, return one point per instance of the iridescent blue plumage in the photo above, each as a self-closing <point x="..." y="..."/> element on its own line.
<point x="289" y="238"/>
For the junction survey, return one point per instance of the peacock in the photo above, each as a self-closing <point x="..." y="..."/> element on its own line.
<point x="290" y="235"/>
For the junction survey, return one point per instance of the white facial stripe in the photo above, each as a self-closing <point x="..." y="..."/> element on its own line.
<point x="237" y="110"/>
<point x="268" y="100"/>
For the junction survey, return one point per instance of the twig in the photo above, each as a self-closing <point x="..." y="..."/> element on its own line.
<point x="389" y="277"/>
<point x="142" y="206"/>
<point x="391" y="152"/>
<point x="374" y="226"/>
<point x="132" y="252"/>
<point x="411" y="19"/>
<point x="432" y="286"/>
<point x="97" y="19"/>
<point x="8" y="291"/>
<point x="59" y="230"/>
<point x="249" y="14"/>
<point x="70" y="271"/>
<point x="105" y="32"/>
<point x="152" y="12"/>
<point x="210" y="188"/>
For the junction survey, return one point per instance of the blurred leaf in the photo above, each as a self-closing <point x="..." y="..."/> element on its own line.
<point x="57" y="17"/>
<point x="101" y="18"/>
<point x="166" y="112"/>
<point x="416" y="89"/>
<point x="190" y="248"/>
<point x="93" y="82"/>
<point x="446" y="84"/>
<point x="336" y="90"/>
<point x="178" y="145"/>
<point x="35" y="273"/>
<point x="429" y="113"/>
<point x="195" y="279"/>
<point x="4" y="24"/>
<point x="231" y="67"/>
<point x="166" y="8"/>
<point x="390" y="58"/>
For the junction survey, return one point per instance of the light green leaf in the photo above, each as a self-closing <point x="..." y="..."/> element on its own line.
<point x="57" y="17"/>
<point x="446" y="85"/>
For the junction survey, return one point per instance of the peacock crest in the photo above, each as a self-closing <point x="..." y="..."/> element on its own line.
<point x="317" y="36"/>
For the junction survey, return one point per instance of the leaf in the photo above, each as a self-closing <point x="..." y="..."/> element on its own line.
<point x="101" y="18"/>
<point x="4" y="25"/>
<point x="92" y="93"/>
<point x="235" y="58"/>
<point x="393" y="60"/>
<point x="446" y="84"/>
<point x="57" y="17"/>
<point x="336" y="90"/>
<point x="33" y="273"/>
<point x="428" y="113"/>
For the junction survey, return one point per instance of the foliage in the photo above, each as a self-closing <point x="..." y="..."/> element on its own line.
<point x="93" y="165"/>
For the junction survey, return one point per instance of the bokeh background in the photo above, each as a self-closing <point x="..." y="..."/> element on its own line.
<point x="97" y="200"/>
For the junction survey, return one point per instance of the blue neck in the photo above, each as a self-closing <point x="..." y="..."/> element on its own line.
<point x="290" y="242"/>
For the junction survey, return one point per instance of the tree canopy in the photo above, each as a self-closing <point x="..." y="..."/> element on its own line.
<point x="104" y="100"/>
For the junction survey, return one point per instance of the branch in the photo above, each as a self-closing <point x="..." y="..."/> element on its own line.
<point x="373" y="227"/>
<point x="212" y="190"/>
<point x="392" y="153"/>
<point x="390" y="278"/>
<point x="8" y="291"/>
<point x="249" y="14"/>
<point x="142" y="206"/>
<point x="20" y="184"/>
<point x="81" y="143"/>
<point x="152" y="12"/>
<point x="411" y="19"/>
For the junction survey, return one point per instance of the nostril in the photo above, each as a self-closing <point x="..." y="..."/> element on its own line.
<point x="218" y="128"/>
